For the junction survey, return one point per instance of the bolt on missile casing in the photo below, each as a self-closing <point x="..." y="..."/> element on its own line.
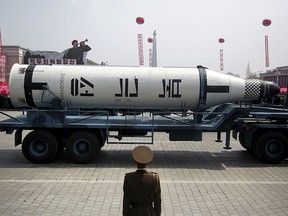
<point x="60" y="86"/>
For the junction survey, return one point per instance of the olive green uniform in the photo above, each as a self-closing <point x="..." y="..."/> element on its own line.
<point x="142" y="194"/>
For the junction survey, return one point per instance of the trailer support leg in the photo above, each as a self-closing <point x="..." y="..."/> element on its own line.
<point x="227" y="144"/>
<point x="218" y="137"/>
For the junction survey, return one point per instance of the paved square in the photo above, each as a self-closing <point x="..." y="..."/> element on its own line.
<point x="197" y="178"/>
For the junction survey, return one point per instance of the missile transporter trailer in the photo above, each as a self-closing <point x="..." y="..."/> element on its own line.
<point x="262" y="130"/>
<point x="136" y="102"/>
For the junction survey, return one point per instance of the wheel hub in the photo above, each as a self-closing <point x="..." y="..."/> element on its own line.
<point x="274" y="148"/>
<point x="38" y="147"/>
<point x="82" y="147"/>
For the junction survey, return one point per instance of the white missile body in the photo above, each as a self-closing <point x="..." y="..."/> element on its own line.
<point x="55" y="86"/>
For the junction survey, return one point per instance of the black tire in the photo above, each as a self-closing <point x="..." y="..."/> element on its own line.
<point x="241" y="138"/>
<point x="39" y="146"/>
<point x="271" y="147"/>
<point x="103" y="139"/>
<point x="82" y="146"/>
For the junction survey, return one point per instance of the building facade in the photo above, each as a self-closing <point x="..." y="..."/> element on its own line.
<point x="14" y="54"/>
<point x="278" y="75"/>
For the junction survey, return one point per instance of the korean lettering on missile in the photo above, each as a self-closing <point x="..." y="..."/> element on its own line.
<point x="84" y="86"/>
<point x="127" y="93"/>
<point x="170" y="88"/>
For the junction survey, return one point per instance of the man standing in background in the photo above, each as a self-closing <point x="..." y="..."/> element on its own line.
<point x="77" y="52"/>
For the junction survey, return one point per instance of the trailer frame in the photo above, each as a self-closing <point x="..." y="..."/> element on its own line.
<point x="259" y="129"/>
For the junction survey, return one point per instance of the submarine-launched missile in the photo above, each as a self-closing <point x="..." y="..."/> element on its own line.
<point x="58" y="86"/>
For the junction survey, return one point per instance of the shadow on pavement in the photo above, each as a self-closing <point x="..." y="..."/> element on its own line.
<point x="162" y="159"/>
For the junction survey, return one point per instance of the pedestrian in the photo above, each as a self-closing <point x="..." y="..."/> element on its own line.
<point x="76" y="52"/>
<point x="142" y="191"/>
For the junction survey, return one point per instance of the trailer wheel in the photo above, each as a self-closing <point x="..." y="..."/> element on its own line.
<point x="241" y="138"/>
<point x="82" y="146"/>
<point x="39" y="146"/>
<point x="271" y="147"/>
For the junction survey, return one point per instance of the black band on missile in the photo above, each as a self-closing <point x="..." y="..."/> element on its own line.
<point x="218" y="89"/>
<point x="29" y="86"/>
<point x="203" y="89"/>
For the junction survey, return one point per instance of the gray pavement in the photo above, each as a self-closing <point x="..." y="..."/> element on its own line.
<point x="197" y="178"/>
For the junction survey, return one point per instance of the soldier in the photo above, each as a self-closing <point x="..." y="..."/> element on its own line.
<point x="142" y="192"/>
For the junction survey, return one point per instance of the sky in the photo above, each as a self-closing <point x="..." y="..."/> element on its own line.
<point x="187" y="30"/>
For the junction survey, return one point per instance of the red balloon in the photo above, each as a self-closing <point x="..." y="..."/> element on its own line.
<point x="221" y="40"/>
<point x="266" y="22"/>
<point x="140" y="20"/>
<point x="150" y="40"/>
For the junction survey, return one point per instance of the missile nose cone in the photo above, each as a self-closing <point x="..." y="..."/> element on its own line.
<point x="272" y="89"/>
<point x="259" y="89"/>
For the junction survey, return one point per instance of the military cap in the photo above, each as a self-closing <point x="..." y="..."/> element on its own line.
<point x="142" y="155"/>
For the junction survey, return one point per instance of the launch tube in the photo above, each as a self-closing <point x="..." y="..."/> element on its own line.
<point x="60" y="86"/>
